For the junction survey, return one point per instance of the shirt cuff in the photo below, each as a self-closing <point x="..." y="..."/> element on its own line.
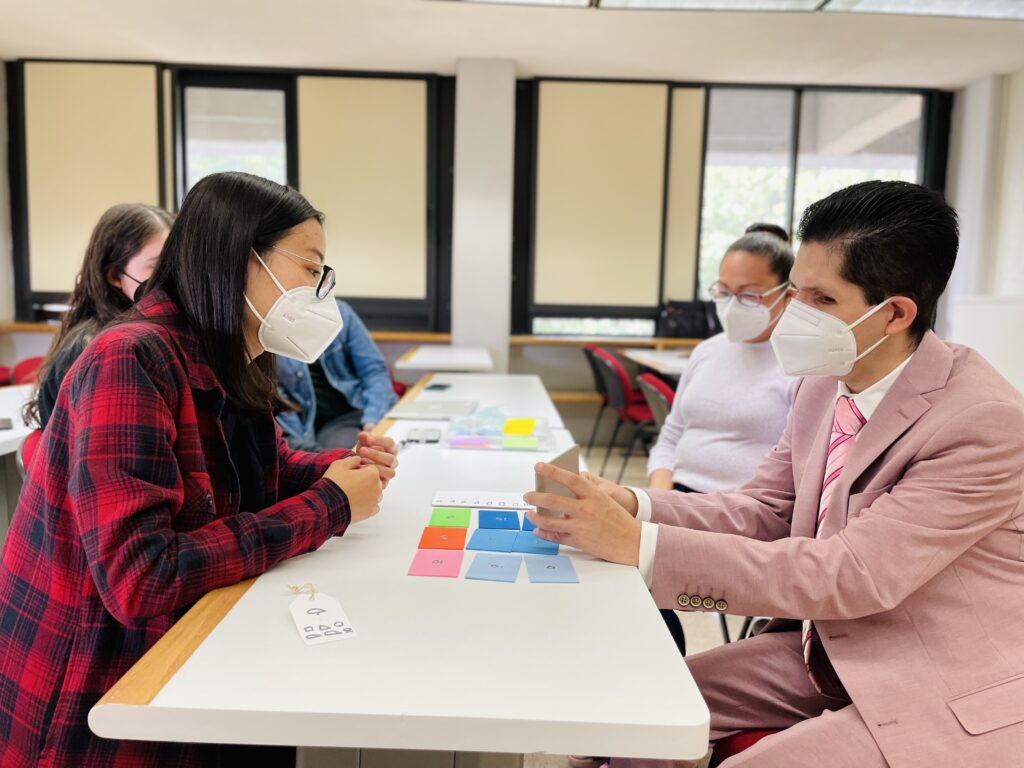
<point x="648" y="546"/>
<point x="643" y="504"/>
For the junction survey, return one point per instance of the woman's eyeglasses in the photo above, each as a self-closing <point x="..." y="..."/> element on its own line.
<point x="720" y="294"/>
<point x="326" y="279"/>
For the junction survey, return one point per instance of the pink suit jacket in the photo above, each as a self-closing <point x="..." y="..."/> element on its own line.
<point x="916" y="583"/>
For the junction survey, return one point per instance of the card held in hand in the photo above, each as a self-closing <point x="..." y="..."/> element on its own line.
<point x="569" y="461"/>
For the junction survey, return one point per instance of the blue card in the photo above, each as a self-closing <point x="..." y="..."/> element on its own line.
<point x="551" y="570"/>
<point x="527" y="541"/>
<point x="527" y="525"/>
<point x="495" y="567"/>
<point x="496" y="518"/>
<point x="490" y="540"/>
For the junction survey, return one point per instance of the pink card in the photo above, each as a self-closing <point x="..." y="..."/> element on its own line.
<point x="437" y="562"/>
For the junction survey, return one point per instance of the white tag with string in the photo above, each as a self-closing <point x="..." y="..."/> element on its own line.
<point x="319" y="618"/>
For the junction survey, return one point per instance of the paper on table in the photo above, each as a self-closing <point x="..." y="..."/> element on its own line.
<point x="495" y="567"/>
<point x="443" y="538"/>
<point x="437" y="562"/>
<point x="449" y="517"/>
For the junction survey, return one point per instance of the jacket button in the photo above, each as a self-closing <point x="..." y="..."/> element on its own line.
<point x="722" y="606"/>
<point x="684" y="601"/>
<point x="695" y="601"/>
<point x="709" y="603"/>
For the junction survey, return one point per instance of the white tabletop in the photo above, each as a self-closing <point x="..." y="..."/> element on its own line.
<point x="12" y="399"/>
<point x="445" y="357"/>
<point x="444" y="664"/>
<point x="518" y="395"/>
<point x="669" y="362"/>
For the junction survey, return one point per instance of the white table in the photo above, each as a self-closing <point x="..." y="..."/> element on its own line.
<point x="518" y="395"/>
<point x="445" y="357"/>
<point x="12" y="399"/>
<point x="439" y="664"/>
<point x="668" y="362"/>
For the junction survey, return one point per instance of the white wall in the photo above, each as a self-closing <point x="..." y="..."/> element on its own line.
<point x="6" y="259"/>
<point x="1008" y="273"/>
<point x="485" y="92"/>
<point x="986" y="186"/>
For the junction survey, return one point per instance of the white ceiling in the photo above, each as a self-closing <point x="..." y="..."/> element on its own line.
<point x="429" y="36"/>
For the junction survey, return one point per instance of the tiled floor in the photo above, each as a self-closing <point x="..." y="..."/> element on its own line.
<point x="702" y="629"/>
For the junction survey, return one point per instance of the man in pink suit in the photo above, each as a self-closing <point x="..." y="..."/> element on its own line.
<point x="885" y="530"/>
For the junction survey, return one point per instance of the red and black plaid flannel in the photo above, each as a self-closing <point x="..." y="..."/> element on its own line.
<point x="129" y="515"/>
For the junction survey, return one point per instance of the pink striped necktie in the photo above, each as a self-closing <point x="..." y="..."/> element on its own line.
<point x="846" y="423"/>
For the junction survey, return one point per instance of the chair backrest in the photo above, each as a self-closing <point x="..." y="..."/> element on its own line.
<point x="26" y="371"/>
<point x="658" y="394"/>
<point x="616" y="380"/>
<point x="27" y="450"/>
<point x="595" y="369"/>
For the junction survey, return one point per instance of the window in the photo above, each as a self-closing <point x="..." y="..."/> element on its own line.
<point x="235" y="122"/>
<point x="747" y="169"/>
<point x="846" y="138"/>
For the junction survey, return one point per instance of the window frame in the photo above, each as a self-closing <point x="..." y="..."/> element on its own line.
<point x="932" y="165"/>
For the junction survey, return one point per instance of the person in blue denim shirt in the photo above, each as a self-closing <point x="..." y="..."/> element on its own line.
<point x="346" y="390"/>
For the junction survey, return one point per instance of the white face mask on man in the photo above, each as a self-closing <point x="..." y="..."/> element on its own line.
<point x="742" y="322"/>
<point x="809" y="342"/>
<point x="299" y="325"/>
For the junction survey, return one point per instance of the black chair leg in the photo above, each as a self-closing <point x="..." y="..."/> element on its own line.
<point x="637" y="434"/>
<point x="725" y="628"/>
<point x="593" y="432"/>
<point x="611" y="444"/>
<point x="745" y="629"/>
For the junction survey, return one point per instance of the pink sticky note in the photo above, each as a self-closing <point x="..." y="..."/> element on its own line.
<point x="467" y="441"/>
<point x="437" y="562"/>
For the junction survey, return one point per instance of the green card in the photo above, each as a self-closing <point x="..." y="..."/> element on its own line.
<point x="519" y="443"/>
<point x="449" y="517"/>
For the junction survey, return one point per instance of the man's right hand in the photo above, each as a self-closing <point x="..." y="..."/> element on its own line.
<point x="362" y="486"/>
<point x="621" y="496"/>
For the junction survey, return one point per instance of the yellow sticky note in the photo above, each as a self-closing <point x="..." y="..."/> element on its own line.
<point x="520" y="426"/>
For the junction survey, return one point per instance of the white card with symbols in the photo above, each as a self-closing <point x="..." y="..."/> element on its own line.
<point x="320" y="619"/>
<point x="480" y="500"/>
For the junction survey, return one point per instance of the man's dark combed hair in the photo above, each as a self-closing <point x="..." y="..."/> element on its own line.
<point x="895" y="238"/>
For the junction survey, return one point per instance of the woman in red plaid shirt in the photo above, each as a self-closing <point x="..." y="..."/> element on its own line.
<point x="162" y="474"/>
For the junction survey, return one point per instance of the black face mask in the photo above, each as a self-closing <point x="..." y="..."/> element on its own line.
<point x="140" y="289"/>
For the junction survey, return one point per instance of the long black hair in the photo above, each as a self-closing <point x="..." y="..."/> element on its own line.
<point x="204" y="267"/>
<point x="118" y="236"/>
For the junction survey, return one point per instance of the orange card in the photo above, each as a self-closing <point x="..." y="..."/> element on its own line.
<point x="443" y="538"/>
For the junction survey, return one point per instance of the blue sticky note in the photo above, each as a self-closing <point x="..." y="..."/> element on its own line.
<point x="551" y="570"/>
<point x="527" y="541"/>
<point x="495" y="567"/>
<point x="527" y="525"/>
<point x="490" y="540"/>
<point x="497" y="518"/>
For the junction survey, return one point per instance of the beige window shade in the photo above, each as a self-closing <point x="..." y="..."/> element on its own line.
<point x="600" y="184"/>
<point x="683" y="210"/>
<point x="91" y="142"/>
<point x="363" y="162"/>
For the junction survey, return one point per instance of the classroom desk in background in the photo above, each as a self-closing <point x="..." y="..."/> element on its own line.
<point x="12" y="399"/>
<point x="436" y="663"/>
<point x="445" y="357"/>
<point x="666" y="362"/>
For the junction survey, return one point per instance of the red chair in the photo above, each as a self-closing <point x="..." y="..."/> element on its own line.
<point x="616" y="384"/>
<point x="733" y="745"/>
<point x="27" y="449"/>
<point x="26" y="371"/>
<point x="5" y="375"/>
<point x="396" y="385"/>
<point x="635" y="396"/>
<point x="659" y="396"/>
